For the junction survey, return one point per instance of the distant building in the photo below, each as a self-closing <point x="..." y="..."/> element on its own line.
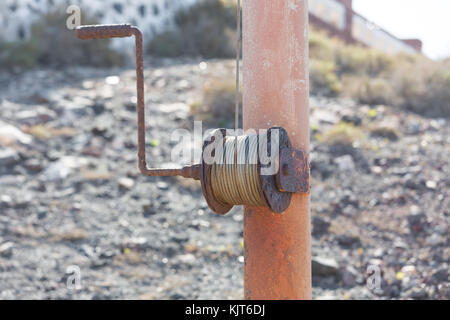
<point x="338" y="19"/>
<point x="152" y="16"/>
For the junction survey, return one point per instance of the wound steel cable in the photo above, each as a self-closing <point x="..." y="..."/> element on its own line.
<point x="238" y="183"/>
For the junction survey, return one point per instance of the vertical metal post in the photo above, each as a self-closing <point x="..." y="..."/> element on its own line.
<point x="275" y="93"/>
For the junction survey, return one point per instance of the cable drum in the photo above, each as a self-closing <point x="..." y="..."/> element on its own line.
<point x="235" y="176"/>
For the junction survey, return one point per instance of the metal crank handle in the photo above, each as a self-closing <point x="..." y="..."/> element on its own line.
<point x="124" y="31"/>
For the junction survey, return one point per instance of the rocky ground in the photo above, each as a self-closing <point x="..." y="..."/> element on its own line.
<point x="71" y="195"/>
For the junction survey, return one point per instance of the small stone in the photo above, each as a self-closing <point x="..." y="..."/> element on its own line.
<point x="42" y="97"/>
<point x="148" y="209"/>
<point x="385" y="131"/>
<point x="188" y="259"/>
<point x="179" y="238"/>
<point x="432" y="185"/>
<point x="11" y="180"/>
<point x="416" y="219"/>
<point x="12" y="134"/>
<point x="345" y="163"/>
<point x="136" y="244"/>
<point x="126" y="183"/>
<point x="53" y="155"/>
<point x="112" y="80"/>
<point x="87" y="250"/>
<point x="5" y="201"/>
<point x="199" y="223"/>
<point x="377" y="169"/>
<point x="349" y="276"/>
<point x="203" y="65"/>
<point x="170" y="250"/>
<point x="100" y="130"/>
<point x="378" y="253"/>
<point x="61" y="169"/>
<point x="77" y="106"/>
<point x="98" y="108"/>
<point x="177" y="296"/>
<point x="162" y="185"/>
<point x="183" y="85"/>
<point x="398" y="244"/>
<point x="6" y="249"/>
<point x="409" y="271"/>
<point x="434" y="240"/>
<point x="353" y="119"/>
<point x="108" y="254"/>
<point x="131" y="104"/>
<point x="36" y="115"/>
<point x="97" y="263"/>
<point x="441" y="229"/>
<point x="415" y="210"/>
<point x="405" y="170"/>
<point x="418" y="294"/>
<point x="92" y="151"/>
<point x="8" y="157"/>
<point x="413" y="128"/>
<point x="441" y="276"/>
<point x="320" y="226"/>
<point x="326" y="117"/>
<point x="56" y="171"/>
<point x="33" y="165"/>
<point x="347" y="241"/>
<point x="88" y="84"/>
<point x="42" y="213"/>
<point x="324" y="266"/>
<point x="102" y="126"/>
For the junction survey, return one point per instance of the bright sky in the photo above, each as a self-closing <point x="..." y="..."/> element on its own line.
<point x="428" y="20"/>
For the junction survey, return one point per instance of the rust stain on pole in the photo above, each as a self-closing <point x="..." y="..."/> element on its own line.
<point x="275" y="71"/>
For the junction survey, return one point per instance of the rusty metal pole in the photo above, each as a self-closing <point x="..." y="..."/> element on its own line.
<point x="275" y="93"/>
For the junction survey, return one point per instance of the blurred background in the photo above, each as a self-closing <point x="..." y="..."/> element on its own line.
<point x="71" y="194"/>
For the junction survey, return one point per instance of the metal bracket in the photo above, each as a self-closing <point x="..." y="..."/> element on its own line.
<point x="293" y="175"/>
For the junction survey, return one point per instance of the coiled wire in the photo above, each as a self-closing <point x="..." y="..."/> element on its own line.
<point x="235" y="174"/>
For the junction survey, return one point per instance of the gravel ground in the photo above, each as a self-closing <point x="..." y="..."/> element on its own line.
<point x="71" y="195"/>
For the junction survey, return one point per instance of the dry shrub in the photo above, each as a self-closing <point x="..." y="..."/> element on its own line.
<point x="358" y="60"/>
<point x="369" y="91"/>
<point x="21" y="54"/>
<point x="411" y="82"/>
<point x="51" y="43"/>
<point x="342" y="133"/>
<point x="423" y="87"/>
<point x="321" y="46"/>
<point x="218" y="104"/>
<point x="348" y="59"/>
<point x="206" y="29"/>
<point x="323" y="78"/>
<point x="59" y="46"/>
